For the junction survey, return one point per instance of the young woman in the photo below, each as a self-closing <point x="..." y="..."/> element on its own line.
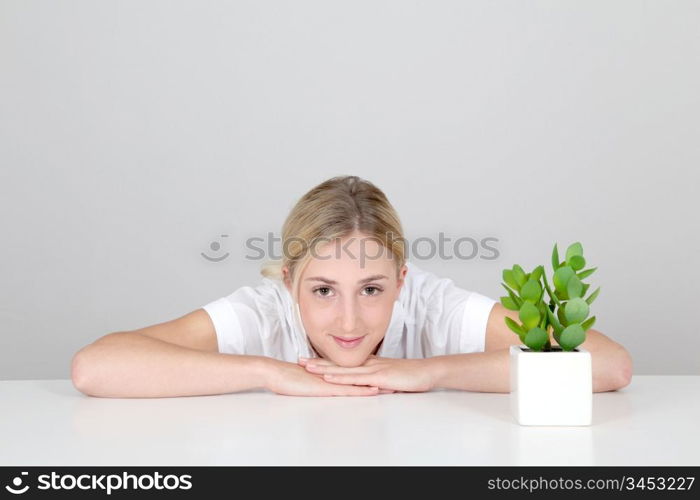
<point x="344" y="313"/>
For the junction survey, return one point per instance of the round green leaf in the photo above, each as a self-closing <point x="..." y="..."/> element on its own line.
<point x="576" y="310"/>
<point x="508" y="303"/>
<point x="513" y="297"/>
<point x="529" y="315"/>
<point x="537" y="273"/>
<point x="571" y="337"/>
<point x="574" y="288"/>
<point x="562" y="276"/>
<point x="560" y="315"/>
<point x="519" y="275"/>
<point x="577" y="262"/>
<point x="510" y="279"/>
<point x="574" y="249"/>
<point x="536" y="338"/>
<point x="531" y="290"/>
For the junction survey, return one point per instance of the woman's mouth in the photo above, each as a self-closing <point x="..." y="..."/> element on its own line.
<point x="348" y="343"/>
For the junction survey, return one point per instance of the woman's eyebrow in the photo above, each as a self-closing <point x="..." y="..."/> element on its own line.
<point x="331" y="282"/>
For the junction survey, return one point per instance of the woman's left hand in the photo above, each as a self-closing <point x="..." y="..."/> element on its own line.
<point x="389" y="374"/>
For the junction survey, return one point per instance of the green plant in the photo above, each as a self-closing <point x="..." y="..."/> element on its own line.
<point x="564" y="315"/>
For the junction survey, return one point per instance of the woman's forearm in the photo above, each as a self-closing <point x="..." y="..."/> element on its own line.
<point x="131" y="365"/>
<point x="490" y="371"/>
<point x="477" y="371"/>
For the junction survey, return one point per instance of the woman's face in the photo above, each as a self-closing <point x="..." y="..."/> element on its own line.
<point x="346" y="301"/>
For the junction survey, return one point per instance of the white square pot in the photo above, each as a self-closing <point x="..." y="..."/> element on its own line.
<point x="551" y="388"/>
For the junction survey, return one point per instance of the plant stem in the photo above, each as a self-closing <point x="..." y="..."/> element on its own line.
<point x="549" y="290"/>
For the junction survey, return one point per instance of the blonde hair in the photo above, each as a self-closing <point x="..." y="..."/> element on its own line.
<point x="334" y="209"/>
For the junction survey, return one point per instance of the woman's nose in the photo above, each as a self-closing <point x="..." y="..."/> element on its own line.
<point x="349" y="316"/>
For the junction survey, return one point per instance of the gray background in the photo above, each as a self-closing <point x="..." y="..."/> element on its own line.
<point x="134" y="134"/>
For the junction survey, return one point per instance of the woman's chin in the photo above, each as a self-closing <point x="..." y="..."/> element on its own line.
<point x="350" y="360"/>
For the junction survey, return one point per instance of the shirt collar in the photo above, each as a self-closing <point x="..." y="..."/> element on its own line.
<point x="392" y="338"/>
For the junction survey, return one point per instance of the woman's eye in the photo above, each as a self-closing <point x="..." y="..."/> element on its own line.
<point x="373" y="288"/>
<point x="322" y="288"/>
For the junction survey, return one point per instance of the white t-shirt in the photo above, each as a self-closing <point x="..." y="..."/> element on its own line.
<point x="431" y="317"/>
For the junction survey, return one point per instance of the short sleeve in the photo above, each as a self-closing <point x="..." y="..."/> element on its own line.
<point x="451" y="319"/>
<point x="247" y="320"/>
<point x="475" y="319"/>
<point x="229" y="334"/>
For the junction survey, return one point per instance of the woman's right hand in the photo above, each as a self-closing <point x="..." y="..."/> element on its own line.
<point x="290" y="379"/>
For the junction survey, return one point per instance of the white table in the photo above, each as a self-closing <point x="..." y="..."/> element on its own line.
<point x="653" y="421"/>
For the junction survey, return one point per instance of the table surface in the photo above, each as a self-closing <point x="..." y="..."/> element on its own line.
<point x="652" y="421"/>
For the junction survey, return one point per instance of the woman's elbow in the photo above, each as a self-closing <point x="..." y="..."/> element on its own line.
<point x="78" y="374"/>
<point x="624" y="369"/>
